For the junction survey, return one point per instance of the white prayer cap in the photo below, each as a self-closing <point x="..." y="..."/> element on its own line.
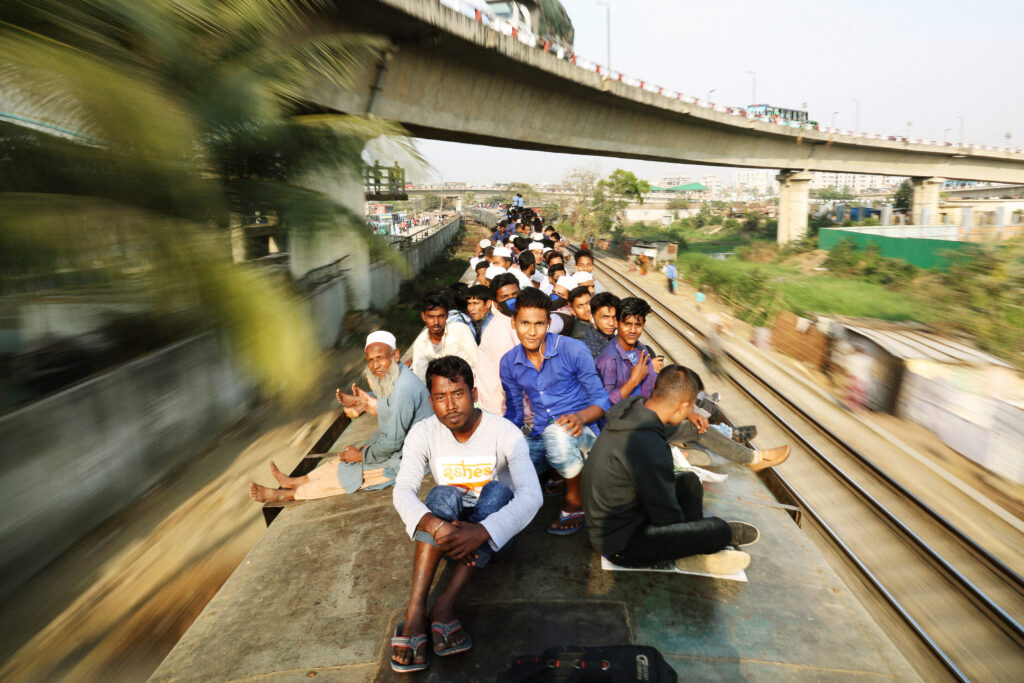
<point x="381" y="337"/>
<point x="566" y="281"/>
<point x="493" y="272"/>
<point x="537" y="236"/>
<point x="535" y="245"/>
<point x="485" y="243"/>
<point x="582" y="276"/>
<point x="537" y="276"/>
<point x="547" y="249"/>
<point x="504" y="252"/>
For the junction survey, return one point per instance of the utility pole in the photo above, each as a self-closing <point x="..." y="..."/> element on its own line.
<point x="833" y="124"/>
<point x="608" y="30"/>
<point x="709" y="94"/>
<point x="753" y="87"/>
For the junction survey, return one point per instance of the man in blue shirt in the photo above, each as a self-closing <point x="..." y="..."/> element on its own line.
<point x="672" y="274"/>
<point x="627" y="367"/>
<point x="557" y="374"/>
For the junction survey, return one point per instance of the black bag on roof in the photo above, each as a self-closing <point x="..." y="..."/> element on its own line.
<point x="618" y="663"/>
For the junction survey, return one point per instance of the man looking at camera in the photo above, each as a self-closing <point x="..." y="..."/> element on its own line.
<point x="486" y="493"/>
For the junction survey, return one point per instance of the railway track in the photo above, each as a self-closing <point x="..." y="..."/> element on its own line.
<point x="960" y="601"/>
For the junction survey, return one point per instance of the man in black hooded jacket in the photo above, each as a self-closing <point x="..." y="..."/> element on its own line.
<point x="639" y="512"/>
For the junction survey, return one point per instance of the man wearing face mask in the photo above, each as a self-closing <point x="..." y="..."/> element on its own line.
<point x="397" y="398"/>
<point x="497" y="338"/>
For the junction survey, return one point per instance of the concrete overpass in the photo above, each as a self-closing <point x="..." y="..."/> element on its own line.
<point x="445" y="76"/>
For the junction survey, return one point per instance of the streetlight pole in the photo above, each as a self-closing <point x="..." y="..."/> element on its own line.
<point x="608" y="32"/>
<point x="753" y="87"/>
<point x="945" y="134"/>
<point x="709" y="94"/>
<point x="833" y="124"/>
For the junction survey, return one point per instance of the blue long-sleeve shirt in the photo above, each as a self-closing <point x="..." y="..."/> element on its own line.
<point x="567" y="382"/>
<point x="614" y="367"/>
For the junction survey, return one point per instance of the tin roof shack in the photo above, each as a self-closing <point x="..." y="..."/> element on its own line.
<point x="658" y="251"/>
<point x="971" y="400"/>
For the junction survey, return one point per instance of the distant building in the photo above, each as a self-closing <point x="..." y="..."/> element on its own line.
<point x="713" y="183"/>
<point x="856" y="182"/>
<point x="756" y="182"/>
<point x="674" y="180"/>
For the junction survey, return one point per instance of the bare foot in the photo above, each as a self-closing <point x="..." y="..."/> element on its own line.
<point x="403" y="655"/>
<point x="262" y="494"/>
<point x="283" y="479"/>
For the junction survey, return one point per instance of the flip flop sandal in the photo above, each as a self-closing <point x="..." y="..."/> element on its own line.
<point x="445" y="631"/>
<point x="413" y="643"/>
<point x="563" y="517"/>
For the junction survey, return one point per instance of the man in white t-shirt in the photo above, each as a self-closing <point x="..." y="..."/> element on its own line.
<point x="487" y="492"/>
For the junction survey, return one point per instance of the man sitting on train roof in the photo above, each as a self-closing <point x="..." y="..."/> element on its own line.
<point x="603" y="322"/>
<point x="398" y="399"/>
<point x="557" y="375"/>
<point x="486" y="493"/>
<point x="585" y="263"/>
<point x="639" y="511"/>
<point x="626" y="366"/>
<point x="439" y="338"/>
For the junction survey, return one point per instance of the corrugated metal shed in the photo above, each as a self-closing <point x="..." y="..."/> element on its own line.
<point x="907" y="341"/>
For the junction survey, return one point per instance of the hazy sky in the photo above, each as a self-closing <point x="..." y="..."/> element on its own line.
<point x="926" y="62"/>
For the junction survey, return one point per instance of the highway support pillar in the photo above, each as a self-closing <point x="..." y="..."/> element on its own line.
<point x="794" y="188"/>
<point x="924" y="200"/>
<point x="886" y="215"/>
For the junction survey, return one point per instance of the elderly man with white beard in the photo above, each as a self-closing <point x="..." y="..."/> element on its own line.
<point x="399" y="400"/>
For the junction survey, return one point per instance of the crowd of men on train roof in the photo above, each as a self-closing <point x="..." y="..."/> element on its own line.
<point x="532" y="381"/>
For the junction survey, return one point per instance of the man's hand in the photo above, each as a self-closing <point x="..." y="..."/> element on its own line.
<point x="571" y="423"/>
<point x="351" y="454"/>
<point x="659" y="363"/>
<point x="700" y="422"/>
<point x="641" y="369"/>
<point x="460" y="540"/>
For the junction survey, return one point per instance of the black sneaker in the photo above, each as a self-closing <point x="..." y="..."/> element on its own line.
<point x="743" y="533"/>
<point x="744" y="434"/>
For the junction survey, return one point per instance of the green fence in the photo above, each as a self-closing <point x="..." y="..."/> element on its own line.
<point x="923" y="253"/>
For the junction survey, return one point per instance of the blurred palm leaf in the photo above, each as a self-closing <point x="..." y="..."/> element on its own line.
<point x="130" y="131"/>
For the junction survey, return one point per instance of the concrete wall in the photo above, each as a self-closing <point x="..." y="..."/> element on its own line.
<point x="73" y="459"/>
<point x="385" y="279"/>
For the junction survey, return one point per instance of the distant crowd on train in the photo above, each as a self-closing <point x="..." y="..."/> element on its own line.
<point x="530" y="379"/>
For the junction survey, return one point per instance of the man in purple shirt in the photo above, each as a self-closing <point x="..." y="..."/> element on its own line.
<point x="557" y="374"/>
<point x="626" y="366"/>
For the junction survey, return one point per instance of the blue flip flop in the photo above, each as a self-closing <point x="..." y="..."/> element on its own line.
<point x="560" y="529"/>
<point x="413" y="643"/>
<point x="445" y="631"/>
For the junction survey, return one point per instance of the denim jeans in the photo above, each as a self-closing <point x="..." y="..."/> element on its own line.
<point x="555" y="448"/>
<point x="446" y="502"/>
<point x="713" y="440"/>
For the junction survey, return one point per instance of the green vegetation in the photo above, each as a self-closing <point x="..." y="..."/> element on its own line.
<point x="833" y="193"/>
<point x="981" y="293"/>
<point x="178" y="120"/>
<point x="757" y="291"/>
<point x="431" y="202"/>
<point x="625" y="185"/>
<point x="901" y="198"/>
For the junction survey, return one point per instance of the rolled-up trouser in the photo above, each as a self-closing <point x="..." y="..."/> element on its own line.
<point x="446" y="502"/>
<point x="714" y="441"/>
<point x="696" y="535"/>
<point x="555" y="448"/>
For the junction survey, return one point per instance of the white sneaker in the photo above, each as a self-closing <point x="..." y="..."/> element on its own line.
<point x="725" y="562"/>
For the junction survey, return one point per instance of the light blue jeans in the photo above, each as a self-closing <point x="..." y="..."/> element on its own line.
<point x="555" y="448"/>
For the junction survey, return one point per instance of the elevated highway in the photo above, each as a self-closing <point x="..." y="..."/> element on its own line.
<point x="447" y="76"/>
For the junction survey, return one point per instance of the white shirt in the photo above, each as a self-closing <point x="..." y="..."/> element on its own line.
<point x="496" y="445"/>
<point x="458" y="340"/>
